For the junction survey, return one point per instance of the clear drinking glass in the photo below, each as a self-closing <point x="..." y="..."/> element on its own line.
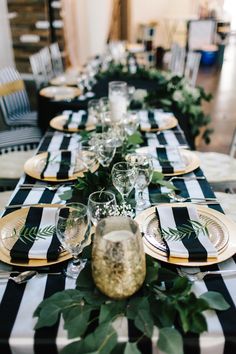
<point x="101" y="204"/>
<point x="94" y="111"/>
<point x="131" y="122"/>
<point x="144" y="166"/>
<point x="73" y="230"/>
<point x="105" y="150"/>
<point x="87" y="155"/>
<point x="118" y="97"/>
<point x="123" y="178"/>
<point x="118" y="259"/>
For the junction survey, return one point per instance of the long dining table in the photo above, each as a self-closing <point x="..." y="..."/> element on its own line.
<point x="19" y="301"/>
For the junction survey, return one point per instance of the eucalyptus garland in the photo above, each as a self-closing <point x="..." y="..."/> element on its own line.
<point x="165" y="301"/>
<point x="169" y="92"/>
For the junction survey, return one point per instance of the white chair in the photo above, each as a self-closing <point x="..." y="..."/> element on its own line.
<point x="46" y="63"/>
<point x="56" y="58"/>
<point x="228" y="204"/>
<point x="192" y="67"/>
<point x="220" y="169"/>
<point x="4" y="198"/>
<point x="177" y="59"/>
<point x="14" y="101"/>
<point x="38" y="71"/>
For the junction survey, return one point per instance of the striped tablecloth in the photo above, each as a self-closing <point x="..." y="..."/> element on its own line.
<point x="18" y="302"/>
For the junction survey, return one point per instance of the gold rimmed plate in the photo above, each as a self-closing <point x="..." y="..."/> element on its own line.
<point x="221" y="232"/>
<point x="60" y="92"/>
<point x="167" y="122"/>
<point x="190" y="159"/>
<point x="59" y="122"/>
<point x="35" y="165"/>
<point x="10" y="226"/>
<point x="64" y="80"/>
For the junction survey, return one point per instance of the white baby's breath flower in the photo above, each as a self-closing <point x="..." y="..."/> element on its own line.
<point x="139" y="95"/>
<point x="178" y="96"/>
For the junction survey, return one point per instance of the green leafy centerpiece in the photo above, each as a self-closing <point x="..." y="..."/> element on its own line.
<point x="169" y="92"/>
<point x="164" y="301"/>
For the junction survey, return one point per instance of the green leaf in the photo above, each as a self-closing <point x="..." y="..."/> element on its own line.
<point x="76" y="320"/>
<point x="48" y="316"/>
<point x="66" y="195"/>
<point x="72" y="348"/>
<point x="157" y="177"/>
<point x="144" y="321"/>
<point x="215" y="300"/>
<point x="131" y="348"/>
<point x="168" y="185"/>
<point x="85" y="279"/>
<point x="135" y="139"/>
<point x="181" y="286"/>
<point x="170" y="341"/>
<point x="198" y="323"/>
<point x="111" y="310"/>
<point x="135" y="304"/>
<point x="101" y="341"/>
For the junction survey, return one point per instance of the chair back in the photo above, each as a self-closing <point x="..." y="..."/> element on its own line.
<point x="57" y="63"/>
<point x="177" y="60"/>
<point x="38" y="70"/>
<point x="14" y="100"/>
<point x="46" y="63"/>
<point x="192" y="67"/>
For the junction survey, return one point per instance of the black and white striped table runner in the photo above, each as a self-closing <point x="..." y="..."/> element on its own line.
<point x="19" y="302"/>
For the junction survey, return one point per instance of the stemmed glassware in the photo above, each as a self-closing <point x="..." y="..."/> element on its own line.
<point x="144" y="166"/>
<point x="73" y="230"/>
<point x="101" y="204"/>
<point x="123" y="178"/>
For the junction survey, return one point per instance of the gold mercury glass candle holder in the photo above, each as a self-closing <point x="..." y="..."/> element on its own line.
<point x="118" y="258"/>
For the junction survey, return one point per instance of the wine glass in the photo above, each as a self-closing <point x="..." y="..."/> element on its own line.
<point x="73" y="229"/>
<point x="144" y="166"/>
<point x="123" y="178"/>
<point x="131" y="122"/>
<point x="105" y="150"/>
<point x="101" y="204"/>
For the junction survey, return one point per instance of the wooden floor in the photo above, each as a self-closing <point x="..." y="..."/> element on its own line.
<point x="222" y="108"/>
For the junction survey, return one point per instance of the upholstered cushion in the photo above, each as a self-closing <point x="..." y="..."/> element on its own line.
<point x="228" y="203"/>
<point x="217" y="167"/>
<point x="4" y="198"/>
<point x="12" y="164"/>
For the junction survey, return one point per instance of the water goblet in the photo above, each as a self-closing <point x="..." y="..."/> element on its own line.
<point x="144" y="166"/>
<point x="101" y="204"/>
<point x="105" y="150"/>
<point x="73" y="230"/>
<point x="131" y="122"/>
<point x="87" y="155"/>
<point x="94" y="111"/>
<point x="123" y="178"/>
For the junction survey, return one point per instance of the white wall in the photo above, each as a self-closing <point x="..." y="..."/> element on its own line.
<point x="165" y="12"/>
<point x="6" y="52"/>
<point x="93" y="27"/>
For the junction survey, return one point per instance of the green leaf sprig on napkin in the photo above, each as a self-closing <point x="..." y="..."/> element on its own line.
<point x="165" y="301"/>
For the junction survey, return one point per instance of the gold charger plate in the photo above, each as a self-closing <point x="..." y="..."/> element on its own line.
<point x="58" y="122"/>
<point x="60" y="92"/>
<point x="189" y="157"/>
<point x="170" y="122"/>
<point x="35" y="165"/>
<point x="14" y="222"/>
<point x="64" y="79"/>
<point x="221" y="230"/>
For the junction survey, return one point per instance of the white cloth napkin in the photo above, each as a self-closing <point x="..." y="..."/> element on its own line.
<point x="60" y="164"/>
<point x="194" y="246"/>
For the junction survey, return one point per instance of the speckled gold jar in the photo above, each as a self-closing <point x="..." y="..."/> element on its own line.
<point x="118" y="258"/>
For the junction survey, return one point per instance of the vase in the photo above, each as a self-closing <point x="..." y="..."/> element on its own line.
<point x="118" y="258"/>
